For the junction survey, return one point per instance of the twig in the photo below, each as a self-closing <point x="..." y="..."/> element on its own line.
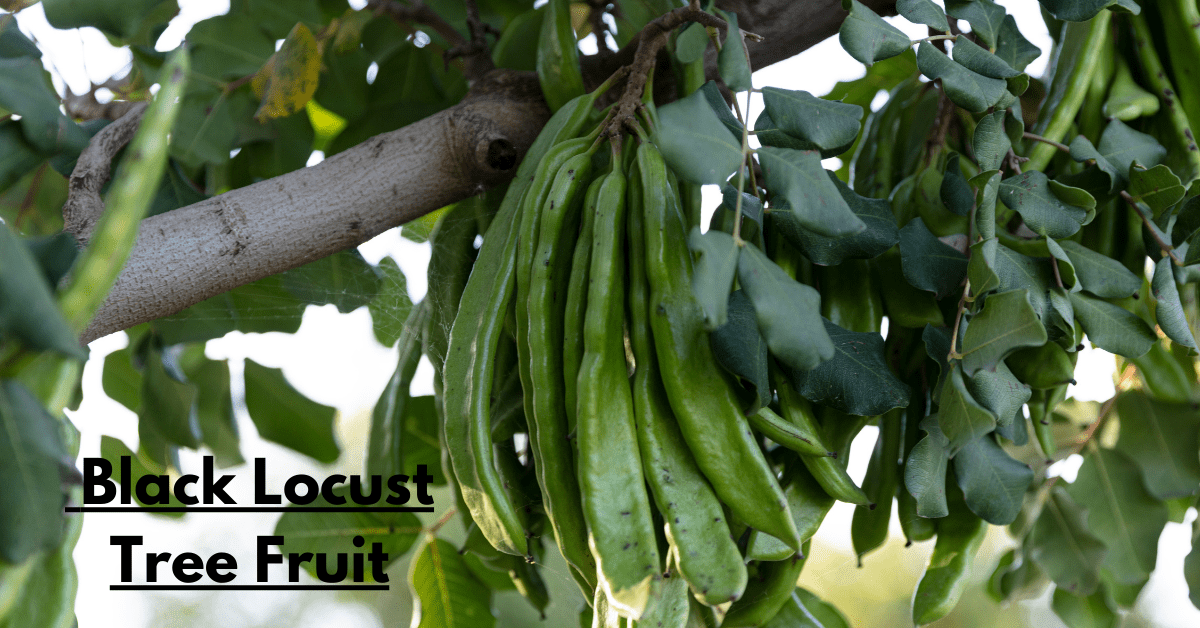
<point x="84" y="204"/>
<point x="1166" y="247"/>
<point x="649" y="41"/>
<point x="475" y="52"/>
<point x="1092" y="430"/>
<point x="1057" y="276"/>
<point x="1038" y="138"/>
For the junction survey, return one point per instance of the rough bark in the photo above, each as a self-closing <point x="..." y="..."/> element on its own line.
<point x="190" y="254"/>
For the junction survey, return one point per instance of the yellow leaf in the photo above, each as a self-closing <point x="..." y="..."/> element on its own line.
<point x="579" y="19"/>
<point x="289" y="78"/>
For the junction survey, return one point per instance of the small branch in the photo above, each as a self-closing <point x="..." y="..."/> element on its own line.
<point x="941" y="126"/>
<point x="93" y="169"/>
<point x="1166" y="247"/>
<point x="1092" y="430"/>
<point x="476" y="52"/>
<point x="1038" y="138"/>
<point x="649" y="41"/>
<point x="420" y="13"/>
<point x="962" y="304"/>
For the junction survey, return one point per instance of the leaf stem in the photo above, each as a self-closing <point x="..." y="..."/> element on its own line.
<point x="1166" y="247"/>
<point x="931" y="38"/>
<point x="1038" y="138"/>
<point x="737" y="220"/>
<point x="962" y="304"/>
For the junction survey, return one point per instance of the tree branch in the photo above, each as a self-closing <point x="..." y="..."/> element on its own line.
<point x="193" y="253"/>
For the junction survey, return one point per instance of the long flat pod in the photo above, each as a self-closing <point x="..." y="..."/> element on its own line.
<point x="615" y="503"/>
<point x="701" y="397"/>
<point x="707" y="555"/>
<point x="553" y="458"/>
<point x="467" y="373"/>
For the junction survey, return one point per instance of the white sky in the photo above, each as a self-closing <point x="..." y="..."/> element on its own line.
<point x="334" y="360"/>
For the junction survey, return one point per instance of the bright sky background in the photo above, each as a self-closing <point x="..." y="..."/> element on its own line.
<point x="335" y="360"/>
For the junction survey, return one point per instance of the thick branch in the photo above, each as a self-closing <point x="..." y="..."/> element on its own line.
<point x="92" y="171"/>
<point x="196" y="252"/>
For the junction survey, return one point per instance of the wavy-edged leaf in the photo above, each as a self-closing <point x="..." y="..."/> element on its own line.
<point x="1157" y="187"/>
<point x="1170" y="313"/>
<point x="955" y="192"/>
<point x="857" y="380"/>
<point x="1063" y="546"/>
<point x="827" y="124"/>
<point x="1030" y="194"/>
<point x="1001" y="392"/>
<point x="967" y="89"/>
<point x="978" y="60"/>
<point x="985" y="17"/>
<point x="214" y="410"/>
<point x="289" y="79"/>
<point x="788" y="312"/>
<point x="1084" y="10"/>
<point x="391" y="305"/>
<point x="923" y="12"/>
<point x="814" y="200"/>
<point x="283" y="415"/>
<point x="1012" y="47"/>
<point x="1161" y="437"/>
<point x="1099" y="274"/>
<point x="1112" y="327"/>
<point x="1121" y="511"/>
<point x="740" y="349"/>
<point x="734" y="60"/>
<point x="1092" y="611"/>
<point x="448" y="595"/>
<point x="1007" y="323"/>
<point x="867" y="37"/>
<point x="32" y="460"/>
<point x="712" y="94"/>
<point x="28" y="311"/>
<point x="695" y="143"/>
<point x="880" y="235"/>
<point x="113" y="449"/>
<point x="333" y="532"/>
<point x="928" y="263"/>
<point x="925" y="470"/>
<point x="714" y="260"/>
<point x="993" y="484"/>
<point x="961" y="418"/>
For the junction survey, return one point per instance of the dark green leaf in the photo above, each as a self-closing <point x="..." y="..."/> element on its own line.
<point x="880" y="235"/>
<point x="1082" y="150"/>
<point x="788" y="312"/>
<point x="14" y="43"/>
<point x="391" y="304"/>
<point x="1007" y="323"/>
<point x="985" y="17"/>
<point x="26" y="91"/>
<point x="1000" y="392"/>
<point x="277" y="17"/>
<point x="1093" y="611"/>
<point x="1080" y="11"/>
<point x="695" y="143"/>
<point x="449" y="595"/>
<point x="1121" y="511"/>
<point x="955" y="192"/>
<point x="961" y="418"/>
<point x="867" y="37"/>
<point x="1033" y="196"/>
<point x="1113" y="328"/>
<point x="1120" y="146"/>
<point x="734" y="59"/>
<point x="1157" y="187"/>
<point x="165" y="416"/>
<point x="717" y="103"/>
<point x="812" y="197"/>
<point x="690" y="43"/>
<point x="117" y="18"/>
<point x="333" y="532"/>
<point x="229" y="46"/>
<point x="1063" y="546"/>
<point x="17" y="156"/>
<point x="121" y="380"/>
<point x="714" y="259"/>
<point x="113" y="449"/>
<point x="1100" y="274"/>
<point x="740" y="349"/>
<point x="283" y="415"/>
<point x="214" y="409"/>
<point x="343" y="279"/>
<point x="33" y="459"/>
<point x="827" y="124"/>
<point x="207" y="125"/>
<point x="930" y="264"/>
<point x="978" y="60"/>
<point x="1066" y="268"/>
<point x="1162" y="438"/>
<point x="923" y="12"/>
<point x="925" y="470"/>
<point x="28" y="312"/>
<point x="969" y="90"/>
<point x="1169" y="313"/>
<point x="260" y="307"/>
<point x="857" y="380"/>
<point x="824" y="612"/>
<point x="1012" y="47"/>
<point x="992" y="483"/>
